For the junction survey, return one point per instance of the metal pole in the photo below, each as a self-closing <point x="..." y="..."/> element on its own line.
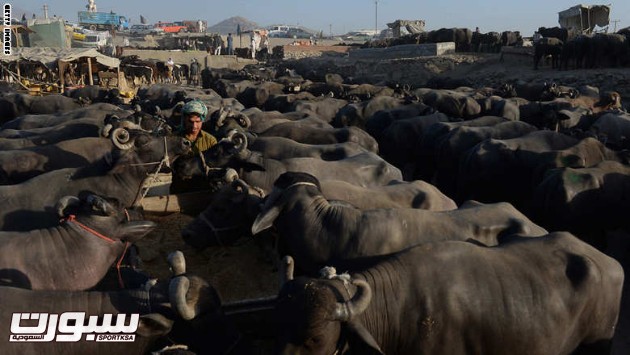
<point x="375" y="18"/>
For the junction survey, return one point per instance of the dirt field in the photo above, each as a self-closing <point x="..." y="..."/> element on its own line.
<point x="238" y="272"/>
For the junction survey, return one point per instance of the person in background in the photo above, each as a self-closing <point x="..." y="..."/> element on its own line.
<point x="230" y="44"/>
<point x="253" y="46"/>
<point x="194" y="72"/>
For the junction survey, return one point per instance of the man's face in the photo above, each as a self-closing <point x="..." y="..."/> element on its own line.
<point x="192" y="123"/>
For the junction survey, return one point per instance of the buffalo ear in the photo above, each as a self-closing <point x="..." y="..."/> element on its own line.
<point x="360" y="337"/>
<point x="572" y="161"/>
<point x="142" y="139"/>
<point x="153" y="325"/>
<point x="135" y="230"/>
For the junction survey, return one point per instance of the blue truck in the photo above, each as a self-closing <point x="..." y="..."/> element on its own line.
<point x="102" y="20"/>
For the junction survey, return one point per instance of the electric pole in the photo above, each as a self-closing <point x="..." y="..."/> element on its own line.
<point x="615" y="22"/>
<point x="375" y="18"/>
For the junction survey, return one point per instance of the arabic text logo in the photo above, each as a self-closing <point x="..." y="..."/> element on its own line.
<point x="70" y="327"/>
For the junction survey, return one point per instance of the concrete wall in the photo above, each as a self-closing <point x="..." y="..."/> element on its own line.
<point x="404" y="51"/>
<point x="48" y="33"/>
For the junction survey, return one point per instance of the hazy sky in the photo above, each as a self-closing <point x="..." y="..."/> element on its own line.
<point x="339" y="15"/>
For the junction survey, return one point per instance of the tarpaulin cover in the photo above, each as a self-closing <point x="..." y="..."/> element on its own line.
<point x="49" y="56"/>
<point x="585" y="17"/>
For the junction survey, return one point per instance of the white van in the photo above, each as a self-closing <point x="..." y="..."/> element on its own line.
<point x="143" y="30"/>
<point x="278" y="30"/>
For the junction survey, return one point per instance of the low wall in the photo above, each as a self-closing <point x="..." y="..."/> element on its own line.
<point x="180" y="57"/>
<point x="404" y="51"/>
<point x="299" y="52"/>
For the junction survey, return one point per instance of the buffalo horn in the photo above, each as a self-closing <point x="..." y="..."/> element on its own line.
<point x="286" y="270"/>
<point x="177" y="290"/>
<point x="229" y="135"/>
<point x="244" y="121"/>
<point x="222" y="115"/>
<point x="121" y="138"/>
<point x="177" y="262"/>
<point x="345" y="311"/>
<point x="106" y="129"/>
<point x="240" y="141"/>
<point x="230" y="175"/>
<point x="64" y="203"/>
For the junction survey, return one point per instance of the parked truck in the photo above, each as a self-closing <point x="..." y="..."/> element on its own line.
<point x="102" y="20"/>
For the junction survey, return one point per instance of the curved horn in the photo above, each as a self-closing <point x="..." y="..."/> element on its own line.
<point x="230" y="134"/>
<point x="222" y="115"/>
<point x="230" y="175"/>
<point x="345" y="311"/>
<point x="106" y="129"/>
<point x="240" y="141"/>
<point x="286" y="270"/>
<point x="121" y="139"/>
<point x="100" y="204"/>
<point x="177" y="290"/>
<point x="243" y="120"/>
<point x="64" y="203"/>
<point x="177" y="263"/>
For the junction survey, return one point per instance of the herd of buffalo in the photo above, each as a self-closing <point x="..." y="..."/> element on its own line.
<point x="475" y="220"/>
<point x="568" y="49"/>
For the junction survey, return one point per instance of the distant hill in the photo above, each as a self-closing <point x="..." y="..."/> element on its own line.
<point x="229" y="26"/>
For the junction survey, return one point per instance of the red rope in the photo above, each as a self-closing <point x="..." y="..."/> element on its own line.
<point x="121" y="283"/>
<point x="72" y="218"/>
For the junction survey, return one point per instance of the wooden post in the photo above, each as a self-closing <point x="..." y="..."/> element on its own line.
<point x="62" y="80"/>
<point x="19" y="77"/>
<point x="89" y="63"/>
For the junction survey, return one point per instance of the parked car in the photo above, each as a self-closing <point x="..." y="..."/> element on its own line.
<point x="298" y="33"/>
<point x="143" y="30"/>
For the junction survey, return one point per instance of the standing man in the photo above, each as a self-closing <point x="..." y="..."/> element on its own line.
<point x="230" y="44"/>
<point x="253" y="46"/>
<point x="194" y="72"/>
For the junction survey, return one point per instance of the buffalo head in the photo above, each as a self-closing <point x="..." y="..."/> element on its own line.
<point x="228" y="217"/>
<point x="106" y="216"/>
<point x="229" y="152"/>
<point x="322" y="316"/>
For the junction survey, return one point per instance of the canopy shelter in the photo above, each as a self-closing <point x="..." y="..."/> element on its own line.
<point x="60" y="60"/>
<point x="585" y="18"/>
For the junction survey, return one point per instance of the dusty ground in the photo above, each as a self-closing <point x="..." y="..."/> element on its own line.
<point x="238" y="272"/>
